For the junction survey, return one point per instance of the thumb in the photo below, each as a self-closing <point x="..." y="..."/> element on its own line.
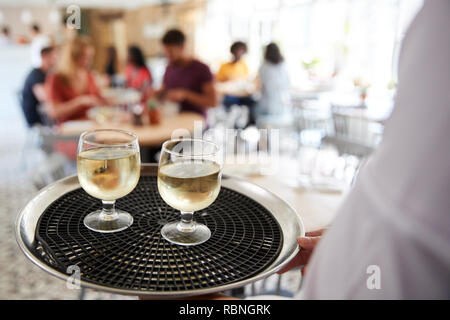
<point x="308" y="242"/>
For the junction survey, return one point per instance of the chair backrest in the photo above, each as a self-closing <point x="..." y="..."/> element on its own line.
<point x="309" y="115"/>
<point x="19" y="94"/>
<point x="345" y="146"/>
<point x="46" y="120"/>
<point x="49" y="138"/>
<point x="351" y="125"/>
<point x="19" y="97"/>
<point x="54" y="167"/>
<point x="353" y="133"/>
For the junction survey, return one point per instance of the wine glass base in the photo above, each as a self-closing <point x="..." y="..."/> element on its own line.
<point x="95" y="221"/>
<point x="171" y="233"/>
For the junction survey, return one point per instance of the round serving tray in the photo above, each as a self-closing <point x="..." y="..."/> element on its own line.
<point x="35" y="222"/>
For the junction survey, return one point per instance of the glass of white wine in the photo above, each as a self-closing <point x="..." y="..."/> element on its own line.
<point x="189" y="177"/>
<point x="108" y="166"/>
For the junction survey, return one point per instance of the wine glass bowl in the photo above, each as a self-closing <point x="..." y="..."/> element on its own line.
<point x="189" y="177"/>
<point x="108" y="167"/>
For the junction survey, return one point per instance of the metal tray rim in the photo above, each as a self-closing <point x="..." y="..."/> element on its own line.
<point x="231" y="182"/>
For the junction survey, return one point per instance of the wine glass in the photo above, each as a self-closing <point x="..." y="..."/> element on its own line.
<point x="108" y="166"/>
<point x="189" y="176"/>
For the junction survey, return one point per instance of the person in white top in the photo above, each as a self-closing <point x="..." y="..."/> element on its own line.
<point x="38" y="42"/>
<point x="274" y="103"/>
<point x="391" y="237"/>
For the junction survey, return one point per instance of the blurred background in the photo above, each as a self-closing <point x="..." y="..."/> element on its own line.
<point x="322" y="72"/>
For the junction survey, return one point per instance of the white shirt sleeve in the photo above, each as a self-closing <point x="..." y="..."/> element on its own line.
<point x="391" y="237"/>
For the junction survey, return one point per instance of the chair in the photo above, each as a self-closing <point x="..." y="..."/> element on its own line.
<point x="354" y="133"/>
<point x="312" y="121"/>
<point x="48" y="163"/>
<point x="309" y="115"/>
<point x="46" y="120"/>
<point x="30" y="136"/>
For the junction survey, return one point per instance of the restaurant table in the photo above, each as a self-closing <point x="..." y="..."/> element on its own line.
<point x="237" y="88"/>
<point x="122" y="95"/>
<point x="317" y="208"/>
<point x="148" y="135"/>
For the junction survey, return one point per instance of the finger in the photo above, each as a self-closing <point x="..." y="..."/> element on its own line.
<point x="308" y="242"/>
<point x="297" y="261"/>
<point x="315" y="233"/>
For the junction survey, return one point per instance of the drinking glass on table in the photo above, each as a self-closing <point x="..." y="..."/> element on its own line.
<point x="108" y="166"/>
<point x="189" y="177"/>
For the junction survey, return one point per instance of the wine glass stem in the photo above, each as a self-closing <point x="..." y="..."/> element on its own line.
<point x="108" y="211"/>
<point x="187" y="223"/>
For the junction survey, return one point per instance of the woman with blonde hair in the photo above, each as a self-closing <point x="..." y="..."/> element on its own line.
<point x="71" y="90"/>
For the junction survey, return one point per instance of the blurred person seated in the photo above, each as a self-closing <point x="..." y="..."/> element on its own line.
<point x="236" y="69"/>
<point x="186" y="81"/>
<point x="72" y="90"/>
<point x="112" y="65"/>
<point x="137" y="74"/>
<point x="5" y="37"/>
<point x="33" y="93"/>
<point x="273" y="81"/>
<point x="234" y="73"/>
<point x="38" y="41"/>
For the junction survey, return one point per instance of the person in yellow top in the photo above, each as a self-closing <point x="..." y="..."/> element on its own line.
<point x="236" y="69"/>
<point x="236" y="73"/>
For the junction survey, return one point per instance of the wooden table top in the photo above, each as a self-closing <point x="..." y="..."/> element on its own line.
<point x="317" y="208"/>
<point x="148" y="135"/>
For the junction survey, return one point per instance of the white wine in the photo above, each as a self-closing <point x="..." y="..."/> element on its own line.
<point x="189" y="186"/>
<point x="108" y="173"/>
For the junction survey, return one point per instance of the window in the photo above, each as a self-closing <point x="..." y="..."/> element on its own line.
<point x="349" y="39"/>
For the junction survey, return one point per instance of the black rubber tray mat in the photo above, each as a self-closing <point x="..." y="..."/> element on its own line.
<point x="245" y="240"/>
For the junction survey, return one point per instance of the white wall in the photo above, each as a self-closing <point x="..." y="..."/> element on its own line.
<point x="14" y="67"/>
